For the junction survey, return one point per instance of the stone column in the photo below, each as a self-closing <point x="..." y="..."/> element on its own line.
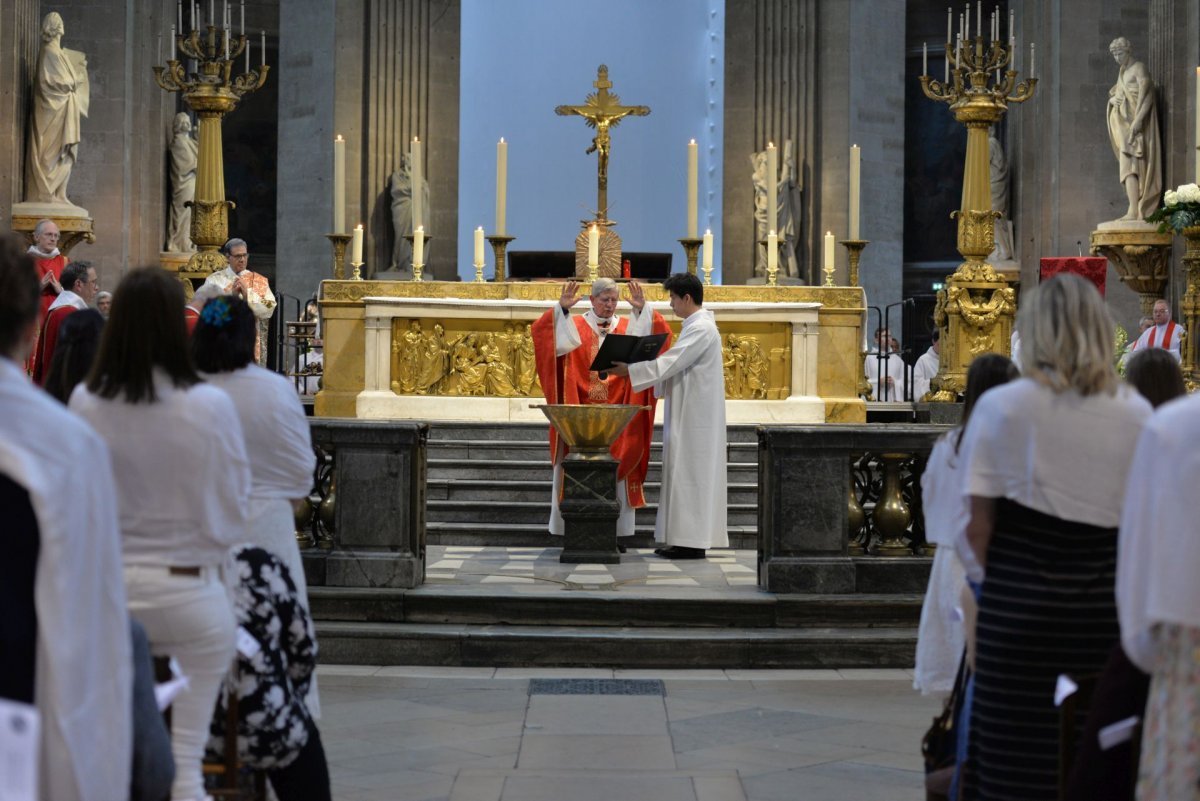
<point x="770" y="95"/>
<point x="19" y="40"/>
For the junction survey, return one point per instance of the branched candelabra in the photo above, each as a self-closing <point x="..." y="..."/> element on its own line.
<point x="211" y="90"/>
<point x="975" y="310"/>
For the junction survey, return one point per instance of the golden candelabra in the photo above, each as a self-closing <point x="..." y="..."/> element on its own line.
<point x="357" y="274"/>
<point x="854" y="249"/>
<point x="212" y="91"/>
<point x="499" y="249"/>
<point x="975" y="310"/>
<point x="479" y="279"/>
<point x="691" y="247"/>
<point x="339" y="242"/>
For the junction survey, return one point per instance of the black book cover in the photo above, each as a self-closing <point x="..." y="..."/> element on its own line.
<point x="626" y="348"/>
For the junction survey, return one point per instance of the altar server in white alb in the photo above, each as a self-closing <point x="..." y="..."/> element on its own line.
<point x="690" y="378"/>
<point x="1165" y="333"/>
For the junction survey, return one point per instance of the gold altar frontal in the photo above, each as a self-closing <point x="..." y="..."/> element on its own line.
<point x="448" y="350"/>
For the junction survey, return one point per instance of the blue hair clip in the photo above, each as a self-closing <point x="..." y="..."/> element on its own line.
<point x="216" y="313"/>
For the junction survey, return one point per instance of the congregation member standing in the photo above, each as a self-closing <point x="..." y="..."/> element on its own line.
<point x="75" y="348"/>
<point x="64" y="637"/>
<point x="565" y="347"/>
<point x="277" y="437"/>
<point x="183" y="489"/>
<point x="690" y="378"/>
<point x="1045" y="462"/>
<point x="1164" y="333"/>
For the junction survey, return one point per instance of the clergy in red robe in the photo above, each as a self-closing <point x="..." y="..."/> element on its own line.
<point x="50" y="263"/>
<point x="564" y="346"/>
<point x="80" y="284"/>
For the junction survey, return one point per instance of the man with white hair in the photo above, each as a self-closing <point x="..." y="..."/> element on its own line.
<point x="1165" y="333"/>
<point x="564" y="347"/>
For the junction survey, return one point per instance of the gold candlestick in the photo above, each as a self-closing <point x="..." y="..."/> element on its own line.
<point x="691" y="247"/>
<point x="339" y="254"/>
<point x="479" y="272"/>
<point x="593" y="272"/>
<point x="418" y="269"/>
<point x="854" y="249"/>
<point x="357" y="274"/>
<point x="707" y="275"/>
<point x="772" y="275"/>
<point x="212" y="91"/>
<point x="499" y="247"/>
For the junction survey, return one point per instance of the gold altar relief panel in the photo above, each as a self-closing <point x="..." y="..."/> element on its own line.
<point x="758" y="360"/>
<point x="494" y="358"/>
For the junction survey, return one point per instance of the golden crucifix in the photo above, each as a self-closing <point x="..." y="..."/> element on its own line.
<point x="601" y="111"/>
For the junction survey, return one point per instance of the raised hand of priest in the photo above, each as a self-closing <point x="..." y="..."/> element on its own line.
<point x="637" y="297"/>
<point x="618" y="368"/>
<point x="570" y="295"/>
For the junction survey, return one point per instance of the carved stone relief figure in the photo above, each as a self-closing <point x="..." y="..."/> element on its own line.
<point x="184" y="149"/>
<point x="1133" y="132"/>
<point x="60" y="98"/>
<point x="402" y="197"/>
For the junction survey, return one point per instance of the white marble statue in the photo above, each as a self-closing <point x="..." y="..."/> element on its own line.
<point x="1133" y="132"/>
<point x="787" y="209"/>
<point x="60" y="99"/>
<point x="184" y="150"/>
<point x="402" y="195"/>
<point x="998" y="167"/>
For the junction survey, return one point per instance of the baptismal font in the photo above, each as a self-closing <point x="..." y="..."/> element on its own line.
<point x="975" y="310"/>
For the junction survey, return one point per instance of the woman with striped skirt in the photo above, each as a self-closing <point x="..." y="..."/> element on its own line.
<point x="1045" y="465"/>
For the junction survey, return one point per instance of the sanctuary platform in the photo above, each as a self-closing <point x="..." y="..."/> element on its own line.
<point x="441" y="350"/>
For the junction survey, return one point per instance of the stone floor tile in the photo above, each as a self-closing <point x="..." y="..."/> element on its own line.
<point x="680" y="582"/>
<point x="346" y="670"/>
<point x="663" y="567"/>
<point x="718" y="788"/>
<point x="616" y="787"/>
<point x="871" y="735"/>
<point x="875" y="674"/>
<point x="553" y="673"/>
<point x="783" y="674"/>
<point x="671" y="674"/>
<point x="784" y="786"/>
<point x="507" y="580"/>
<point x="610" y="752"/>
<point x="447" y="564"/>
<point x="436" y="672"/>
<point x="478" y="787"/>
<point x="595" y="714"/>
<point x="746" y="725"/>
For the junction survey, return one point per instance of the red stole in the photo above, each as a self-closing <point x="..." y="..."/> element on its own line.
<point x="190" y="318"/>
<point x="44" y="352"/>
<point x="54" y="264"/>
<point x="1170" y="333"/>
<point x="567" y="379"/>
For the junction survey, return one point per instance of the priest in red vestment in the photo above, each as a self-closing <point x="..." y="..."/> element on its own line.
<point x="564" y="347"/>
<point x="50" y="263"/>
<point x="80" y="285"/>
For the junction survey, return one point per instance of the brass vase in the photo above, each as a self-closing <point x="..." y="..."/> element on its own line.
<point x="892" y="514"/>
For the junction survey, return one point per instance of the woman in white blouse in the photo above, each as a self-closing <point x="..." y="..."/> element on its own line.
<point x="183" y="491"/>
<point x="1045" y="460"/>
<point x="277" y="436"/>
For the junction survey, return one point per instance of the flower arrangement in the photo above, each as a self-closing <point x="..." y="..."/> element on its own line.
<point x="1180" y="209"/>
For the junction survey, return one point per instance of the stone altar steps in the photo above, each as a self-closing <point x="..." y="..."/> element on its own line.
<point x="476" y="626"/>
<point x="489" y="484"/>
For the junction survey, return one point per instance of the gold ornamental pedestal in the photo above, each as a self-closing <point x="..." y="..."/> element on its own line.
<point x="975" y="310"/>
<point x="1142" y="257"/>
<point x="1189" y="309"/>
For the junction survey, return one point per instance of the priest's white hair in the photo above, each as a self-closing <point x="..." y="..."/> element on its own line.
<point x="1067" y="337"/>
<point x="602" y="285"/>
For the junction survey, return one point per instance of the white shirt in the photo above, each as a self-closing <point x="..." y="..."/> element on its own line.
<point x="878" y="371"/>
<point x="924" y="371"/>
<point x="183" y="479"/>
<point x="277" y="435"/>
<point x="690" y="377"/>
<point x="68" y="298"/>
<point x="1064" y="455"/>
<point x="1160" y="336"/>
<point x="1159" y="541"/>
<point x="84" y="670"/>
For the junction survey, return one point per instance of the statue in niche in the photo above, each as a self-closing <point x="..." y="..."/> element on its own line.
<point x="1133" y="132"/>
<point x="402" y="225"/>
<point x="184" y="150"/>
<point x="998" y="165"/>
<point x="60" y="98"/>
<point x="787" y="208"/>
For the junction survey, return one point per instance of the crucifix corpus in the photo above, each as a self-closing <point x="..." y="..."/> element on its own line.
<point x="602" y="110"/>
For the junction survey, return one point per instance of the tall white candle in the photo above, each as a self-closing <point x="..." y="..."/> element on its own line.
<point x="772" y="250"/>
<point x="978" y="18"/>
<point x="708" y="247"/>
<point x="1197" y="153"/>
<point x="855" y="178"/>
<point x="356" y="245"/>
<point x="479" y="262"/>
<point x="262" y="42"/>
<point x="339" y="185"/>
<point x="418" y="181"/>
<point x="247" y="41"/>
<point x="419" y="246"/>
<point x="243" y="17"/>
<point x="501" y="186"/>
<point x="772" y="186"/>
<point x="1032" y="53"/>
<point x="172" y="42"/>
<point x="693" y="192"/>
<point x="179" y="15"/>
<point x="828" y="250"/>
<point x="593" y="247"/>
<point x="949" y="26"/>
<point x="924" y="58"/>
